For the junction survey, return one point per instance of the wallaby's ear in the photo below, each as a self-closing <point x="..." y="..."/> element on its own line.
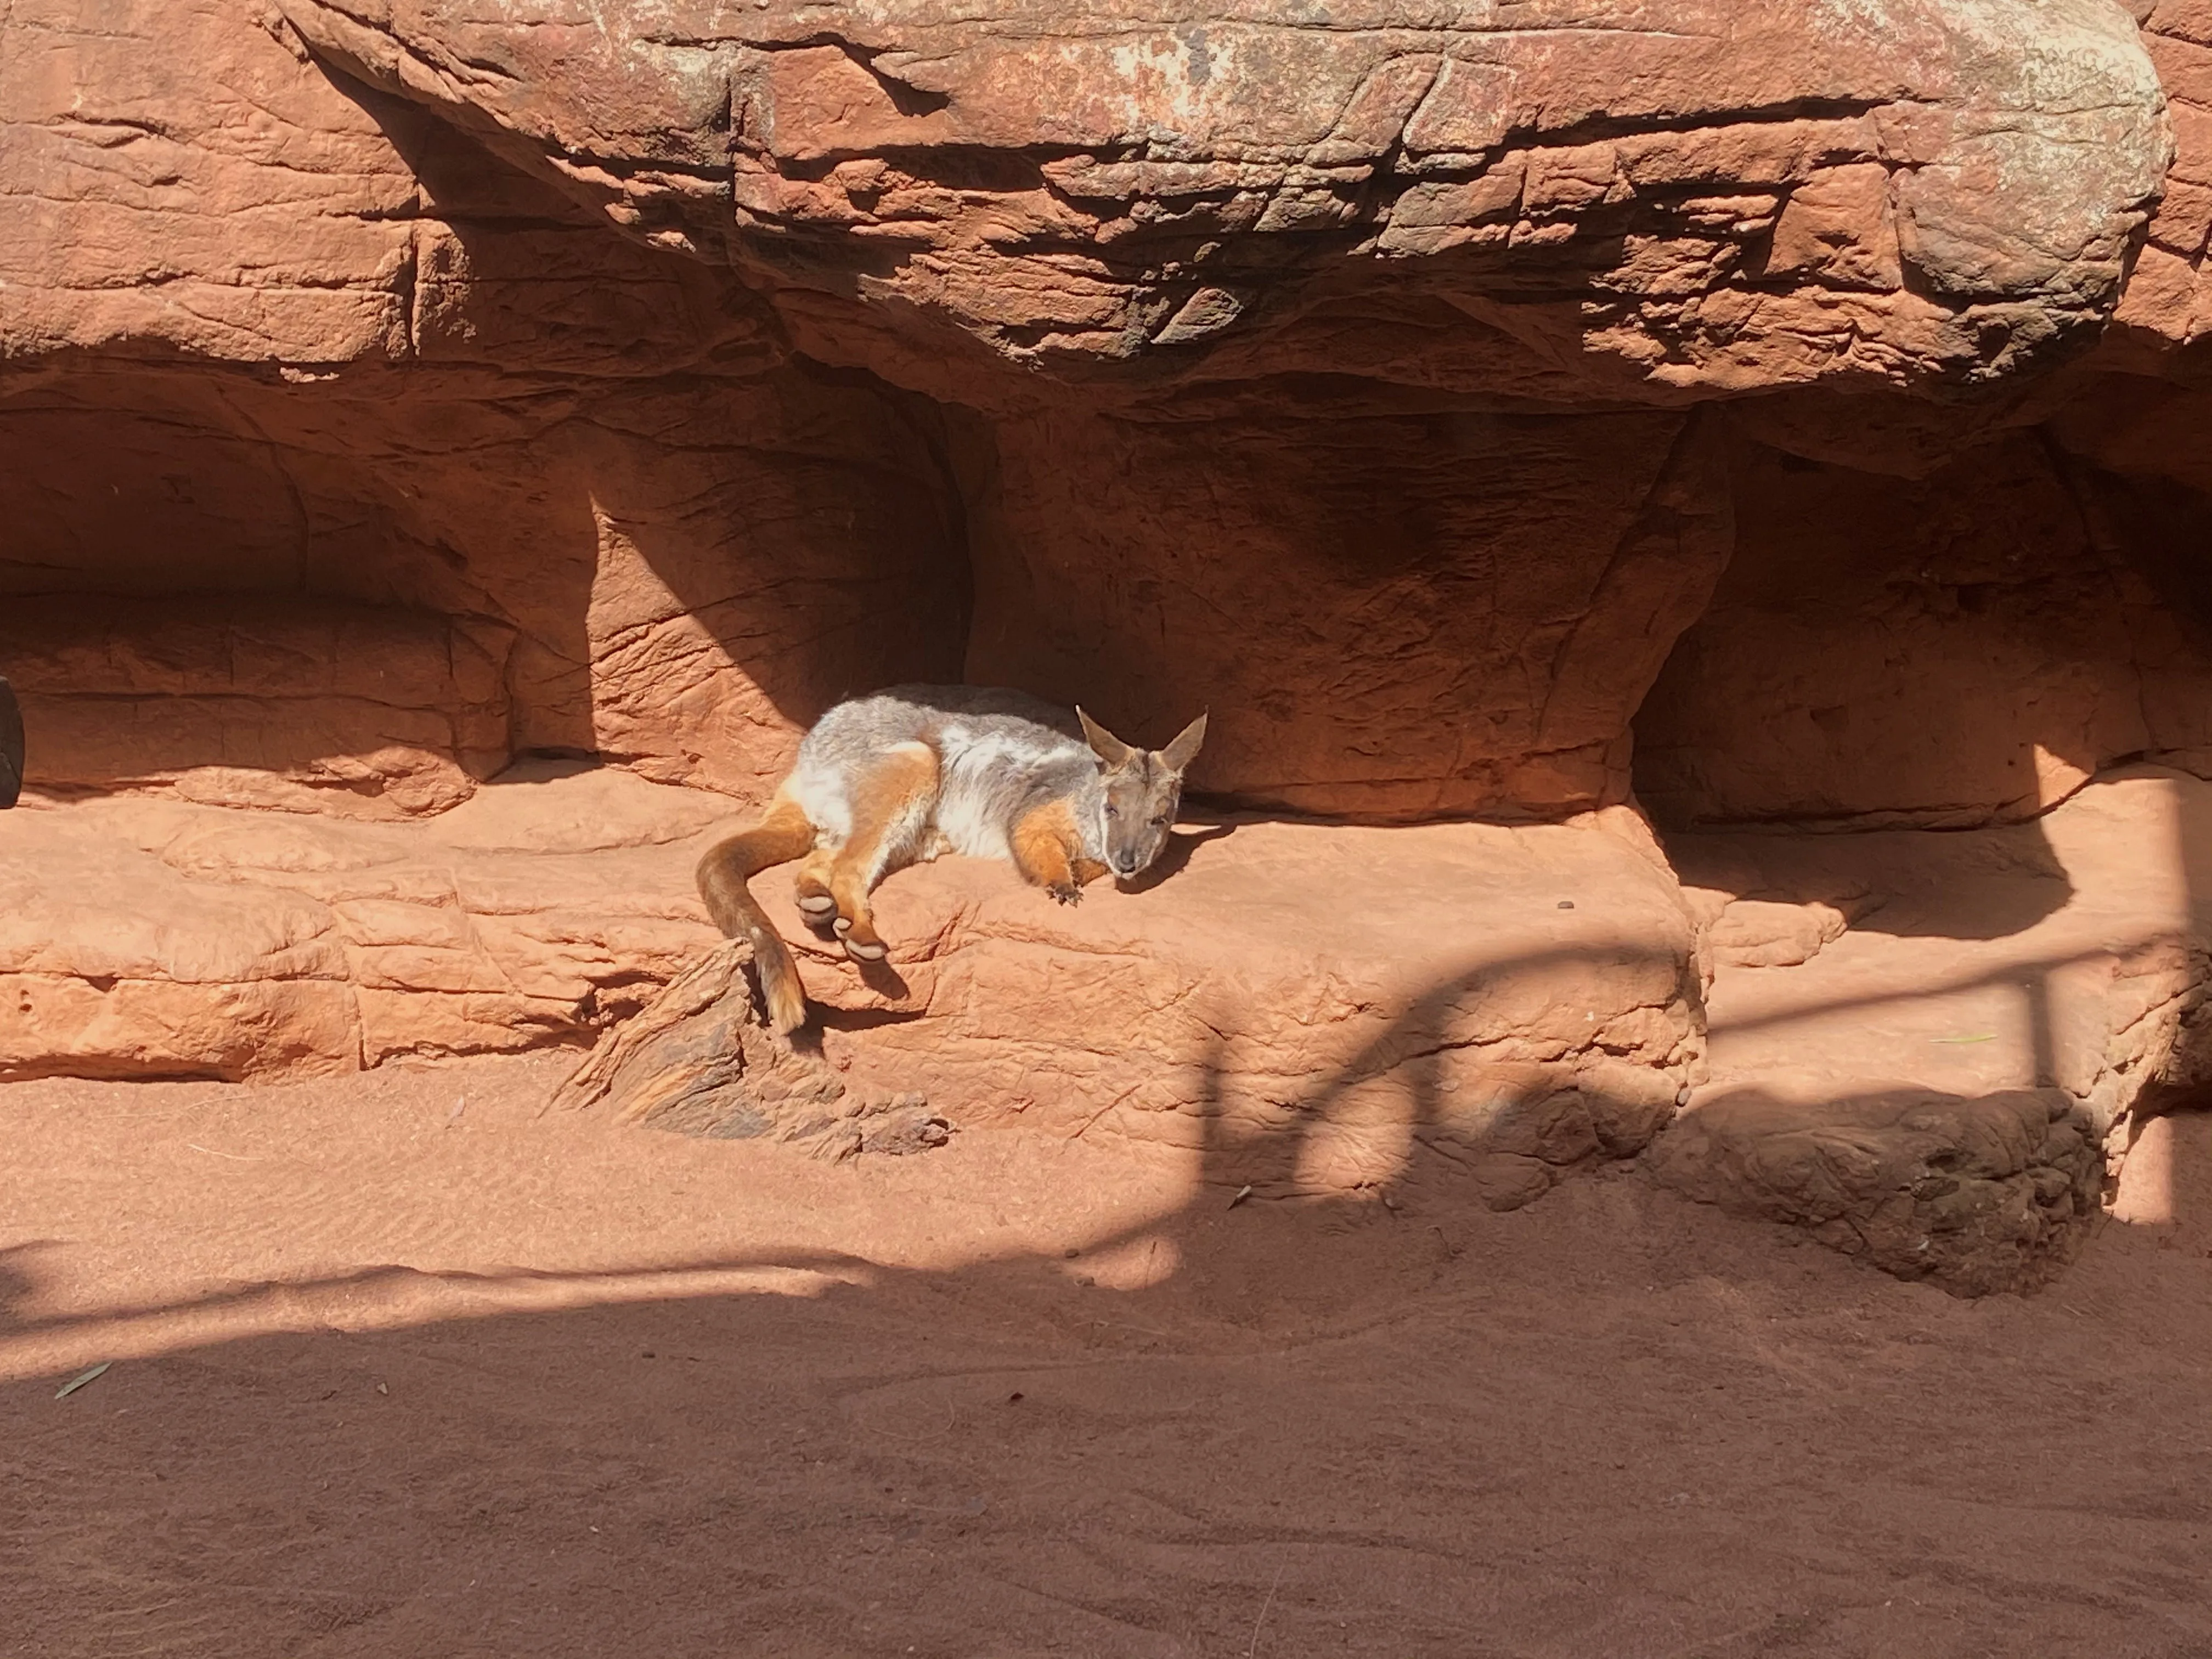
<point x="1103" y="744"/>
<point x="1178" y="754"/>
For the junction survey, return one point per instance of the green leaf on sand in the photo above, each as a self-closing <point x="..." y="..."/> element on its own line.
<point x="80" y="1380"/>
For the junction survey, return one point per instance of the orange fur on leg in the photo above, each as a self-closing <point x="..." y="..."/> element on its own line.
<point x="1048" y="852"/>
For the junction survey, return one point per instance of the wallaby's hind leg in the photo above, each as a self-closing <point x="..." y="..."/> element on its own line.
<point x="892" y="803"/>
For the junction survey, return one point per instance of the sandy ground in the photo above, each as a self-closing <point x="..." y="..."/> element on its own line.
<point x="400" y="1368"/>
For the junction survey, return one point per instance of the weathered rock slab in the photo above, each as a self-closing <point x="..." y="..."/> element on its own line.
<point x="1981" y="1194"/>
<point x="1944" y="1085"/>
<point x="700" y="1058"/>
<point x="1747" y="195"/>
<point x="1324" y="1007"/>
<point x="149" y="936"/>
<point x="1320" y="1008"/>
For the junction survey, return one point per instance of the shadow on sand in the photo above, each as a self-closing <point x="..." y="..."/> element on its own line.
<point x="1611" y="1422"/>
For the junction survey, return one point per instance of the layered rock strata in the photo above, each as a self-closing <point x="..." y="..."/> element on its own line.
<point x="1783" y="416"/>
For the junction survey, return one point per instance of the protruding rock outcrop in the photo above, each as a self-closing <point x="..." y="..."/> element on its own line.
<point x="1694" y="194"/>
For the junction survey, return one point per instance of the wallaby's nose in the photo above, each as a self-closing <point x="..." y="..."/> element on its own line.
<point x="1126" y="863"/>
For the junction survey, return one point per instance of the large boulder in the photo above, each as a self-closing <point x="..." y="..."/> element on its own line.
<point x="1694" y="192"/>
<point x="1935" y="1068"/>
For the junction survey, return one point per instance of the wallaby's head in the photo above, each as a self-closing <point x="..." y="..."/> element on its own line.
<point x="1143" y="788"/>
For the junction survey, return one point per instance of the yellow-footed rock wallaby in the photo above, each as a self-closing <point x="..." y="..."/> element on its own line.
<point x="906" y="775"/>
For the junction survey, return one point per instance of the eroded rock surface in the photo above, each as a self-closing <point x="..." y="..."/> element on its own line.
<point x="689" y="361"/>
<point x="1892" y="1090"/>
<point x="1311" y="1008"/>
<point x="152" y="938"/>
<point x="1987" y="1193"/>
<point x="1785" y="415"/>
<point x="700" y="1060"/>
<point x="1956" y="650"/>
<point x="1697" y="192"/>
<point x="1317" y="1009"/>
<point x="1397" y="618"/>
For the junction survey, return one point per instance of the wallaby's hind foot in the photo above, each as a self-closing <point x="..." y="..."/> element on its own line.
<point x="853" y="922"/>
<point x="817" y="905"/>
<point x="861" y="941"/>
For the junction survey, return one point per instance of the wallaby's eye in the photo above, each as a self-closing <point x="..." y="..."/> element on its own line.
<point x="1112" y="810"/>
<point x="1159" y="822"/>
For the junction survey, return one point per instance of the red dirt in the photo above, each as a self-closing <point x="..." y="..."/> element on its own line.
<point x="396" y="1375"/>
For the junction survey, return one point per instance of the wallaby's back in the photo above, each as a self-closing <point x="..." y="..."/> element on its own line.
<point x="1000" y="754"/>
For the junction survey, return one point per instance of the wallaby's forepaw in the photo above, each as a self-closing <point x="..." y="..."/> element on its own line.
<point x="1067" y="893"/>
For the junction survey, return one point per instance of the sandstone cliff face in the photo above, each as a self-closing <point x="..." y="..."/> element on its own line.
<point x="1101" y="187"/>
<point x="591" y="324"/>
<point x="1782" y="414"/>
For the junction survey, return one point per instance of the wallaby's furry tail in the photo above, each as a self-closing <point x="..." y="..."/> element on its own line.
<point x="783" y="834"/>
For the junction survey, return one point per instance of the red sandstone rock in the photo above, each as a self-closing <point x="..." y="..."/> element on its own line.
<point x="154" y="937"/>
<point x="1940" y="1087"/>
<point x="389" y="390"/>
<point x="1981" y="1194"/>
<point x="1381" y="625"/>
<point x="1324" y="1008"/>
<point x="490" y="407"/>
<point x="1103" y="186"/>
<point x="246" y="702"/>
<point x="1969" y="648"/>
<point x="1380" y="992"/>
<point x="2164" y="307"/>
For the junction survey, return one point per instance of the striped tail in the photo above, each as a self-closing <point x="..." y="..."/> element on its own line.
<point x="783" y="834"/>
